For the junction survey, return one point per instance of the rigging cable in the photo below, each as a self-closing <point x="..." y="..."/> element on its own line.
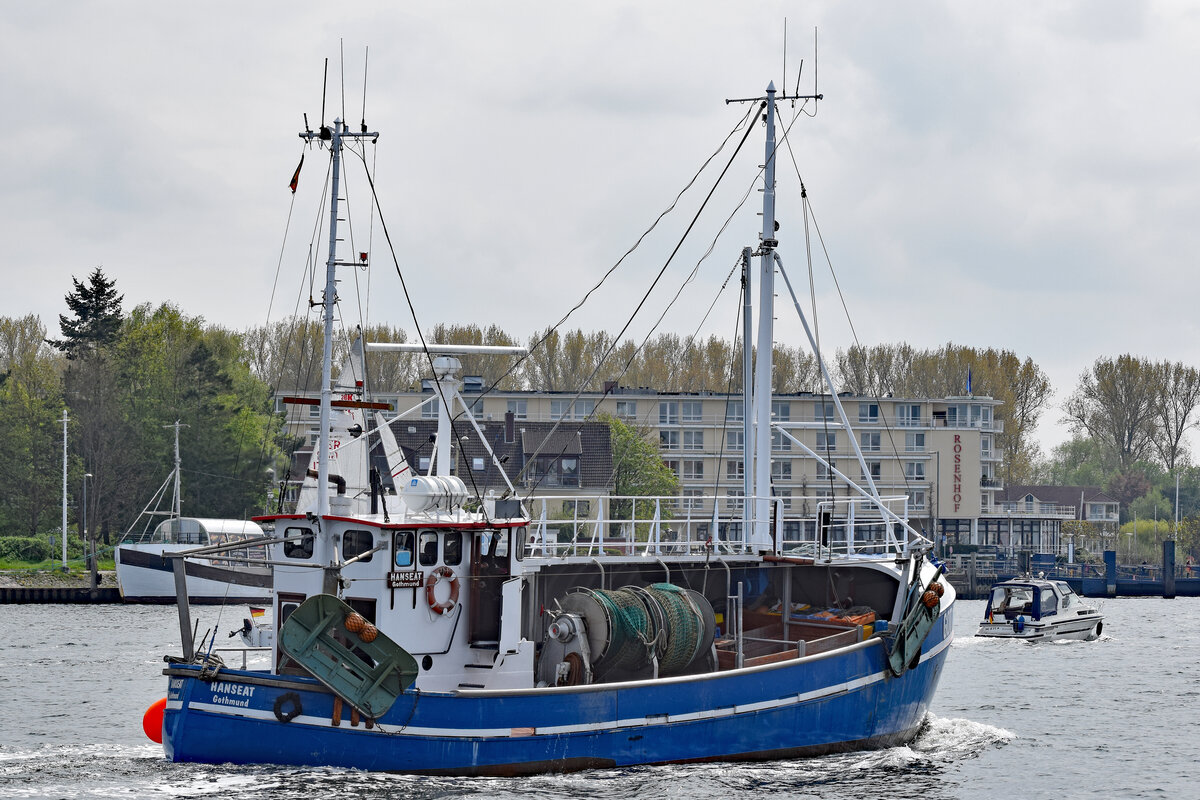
<point x="646" y="296"/>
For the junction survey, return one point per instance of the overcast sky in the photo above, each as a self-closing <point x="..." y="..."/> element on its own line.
<point x="1011" y="175"/>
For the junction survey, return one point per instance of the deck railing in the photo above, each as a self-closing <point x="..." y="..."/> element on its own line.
<point x="656" y="526"/>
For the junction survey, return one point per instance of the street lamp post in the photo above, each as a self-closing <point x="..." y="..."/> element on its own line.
<point x="87" y="543"/>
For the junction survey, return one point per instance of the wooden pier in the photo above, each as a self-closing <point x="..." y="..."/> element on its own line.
<point x="972" y="575"/>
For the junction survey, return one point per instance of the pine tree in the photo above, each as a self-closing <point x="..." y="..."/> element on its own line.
<point x="97" y="309"/>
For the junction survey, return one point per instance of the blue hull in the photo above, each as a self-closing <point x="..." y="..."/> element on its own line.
<point x="839" y="701"/>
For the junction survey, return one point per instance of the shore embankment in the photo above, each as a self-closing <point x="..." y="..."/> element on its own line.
<point x="56" y="586"/>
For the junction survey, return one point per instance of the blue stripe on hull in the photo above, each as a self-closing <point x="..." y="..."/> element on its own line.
<point x="842" y="702"/>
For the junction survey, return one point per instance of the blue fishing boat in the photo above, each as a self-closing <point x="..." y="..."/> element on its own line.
<point x="433" y="631"/>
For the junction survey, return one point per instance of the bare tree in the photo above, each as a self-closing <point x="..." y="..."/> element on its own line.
<point x="1115" y="403"/>
<point x="1174" y="404"/>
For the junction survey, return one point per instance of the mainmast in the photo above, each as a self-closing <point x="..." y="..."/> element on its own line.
<point x="760" y="534"/>
<point x="334" y="135"/>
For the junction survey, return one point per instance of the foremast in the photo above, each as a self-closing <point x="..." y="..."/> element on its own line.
<point x="335" y="135"/>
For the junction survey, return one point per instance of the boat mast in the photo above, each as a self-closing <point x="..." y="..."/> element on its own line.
<point x="334" y="135"/>
<point x="760" y="535"/>
<point x="176" y="505"/>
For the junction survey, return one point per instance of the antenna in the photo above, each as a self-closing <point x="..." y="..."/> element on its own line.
<point x="816" y="64"/>
<point x="366" y="55"/>
<point x="342" y="67"/>
<point x="785" y="59"/>
<point x="324" y="86"/>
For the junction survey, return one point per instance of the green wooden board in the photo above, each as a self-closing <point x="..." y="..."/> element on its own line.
<point x="367" y="675"/>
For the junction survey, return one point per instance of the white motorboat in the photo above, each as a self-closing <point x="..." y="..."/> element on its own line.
<point x="1037" y="609"/>
<point x="144" y="570"/>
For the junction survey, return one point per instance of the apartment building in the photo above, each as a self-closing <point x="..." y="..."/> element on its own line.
<point x="939" y="453"/>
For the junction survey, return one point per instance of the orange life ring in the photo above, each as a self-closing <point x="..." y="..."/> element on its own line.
<point x="446" y="606"/>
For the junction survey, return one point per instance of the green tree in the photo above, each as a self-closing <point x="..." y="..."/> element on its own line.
<point x="638" y="469"/>
<point x="97" y="309"/>
<point x="30" y="426"/>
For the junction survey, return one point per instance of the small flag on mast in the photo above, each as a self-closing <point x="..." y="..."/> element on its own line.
<point x="296" y="175"/>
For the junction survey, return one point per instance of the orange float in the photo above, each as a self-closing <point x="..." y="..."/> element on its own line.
<point x="152" y="720"/>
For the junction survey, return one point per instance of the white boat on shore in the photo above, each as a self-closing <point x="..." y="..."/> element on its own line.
<point x="144" y="569"/>
<point x="1036" y="609"/>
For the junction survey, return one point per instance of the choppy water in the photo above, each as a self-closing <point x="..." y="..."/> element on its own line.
<point x="1113" y="718"/>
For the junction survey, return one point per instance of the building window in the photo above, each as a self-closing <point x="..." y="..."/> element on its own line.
<point x="824" y="471"/>
<point x="560" y="409"/>
<point x="734" y="499"/>
<point x="916" y="499"/>
<point x="577" y="508"/>
<point x="781" y="470"/>
<point x="914" y="470"/>
<point x="690" y="499"/>
<point x="779" y="442"/>
<point x="673" y="465"/>
<point x="735" y="411"/>
<point x="430" y="408"/>
<point x="781" y="410"/>
<point x="985" y="446"/>
<point x="668" y="412"/>
<point x="668" y="440"/>
<point x="693" y="470"/>
<point x="477" y="464"/>
<point x="735" y="470"/>
<point x="868" y="412"/>
<point x="735" y="441"/>
<point x="693" y="440"/>
<point x="627" y="409"/>
<point x="822" y="411"/>
<point x="908" y="415"/>
<point x="553" y="471"/>
<point x="691" y="411"/>
<point x="519" y="408"/>
<point x="870" y="442"/>
<point x="874" y="469"/>
<point x="914" y="443"/>
<point x="784" y="495"/>
<point x="826" y="441"/>
<point x="584" y="408"/>
<point x="314" y="412"/>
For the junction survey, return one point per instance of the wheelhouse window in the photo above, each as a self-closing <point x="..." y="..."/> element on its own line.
<point x="402" y="549"/>
<point x="355" y="543"/>
<point x="452" y="548"/>
<point x="298" y="543"/>
<point x="427" y="546"/>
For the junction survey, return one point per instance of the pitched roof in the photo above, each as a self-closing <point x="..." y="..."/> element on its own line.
<point x="588" y="441"/>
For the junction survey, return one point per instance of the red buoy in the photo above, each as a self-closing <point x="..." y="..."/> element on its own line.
<point x="152" y="720"/>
